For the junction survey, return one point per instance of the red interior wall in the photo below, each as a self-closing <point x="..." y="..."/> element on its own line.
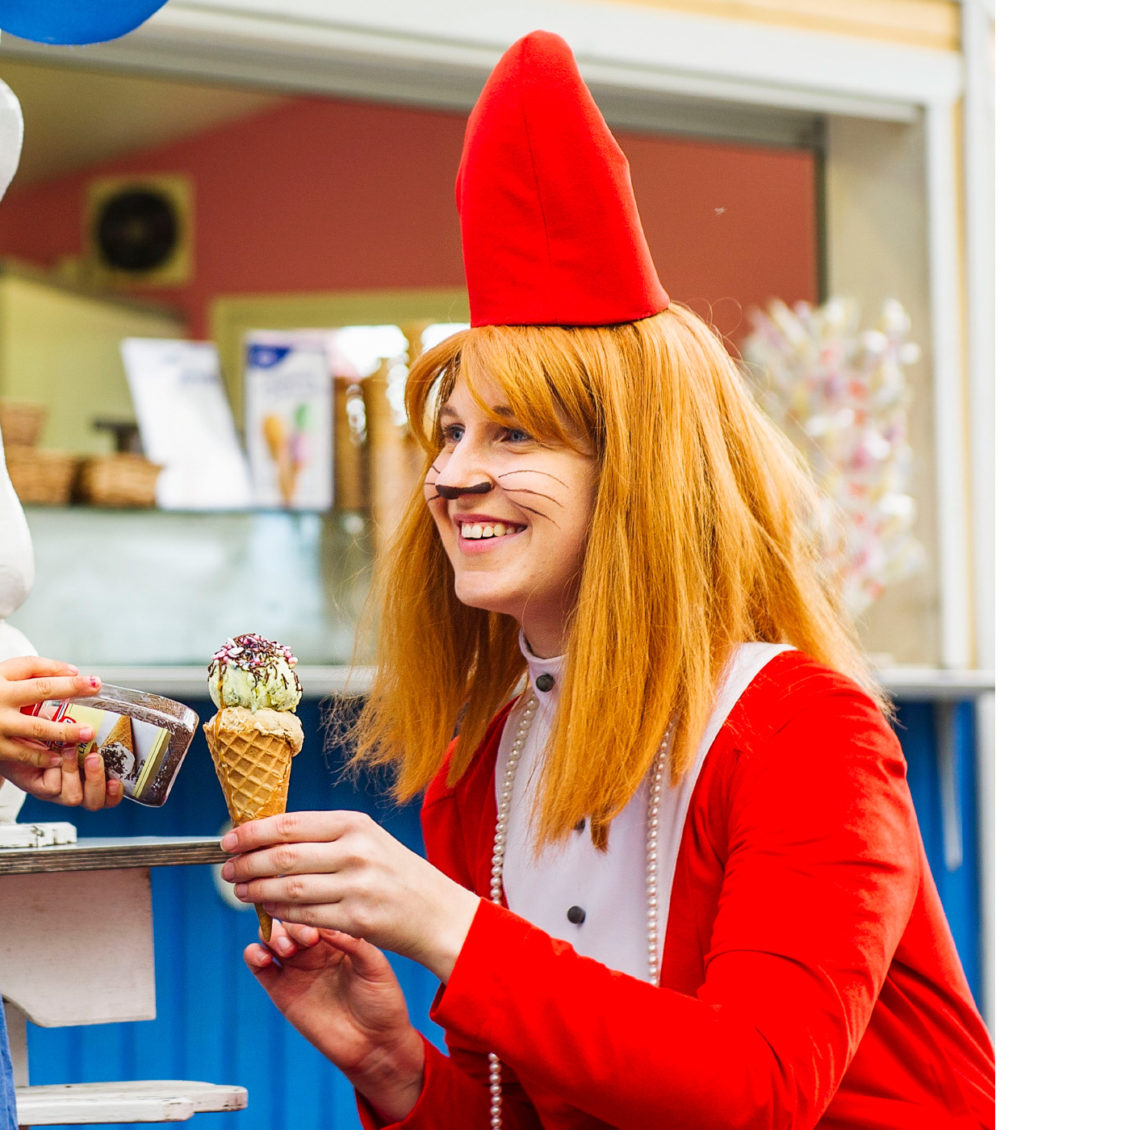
<point x="322" y="194"/>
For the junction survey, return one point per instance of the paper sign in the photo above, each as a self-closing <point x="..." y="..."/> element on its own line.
<point x="186" y="424"/>
<point x="288" y="417"/>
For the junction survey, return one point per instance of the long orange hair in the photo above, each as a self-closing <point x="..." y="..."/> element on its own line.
<point x="701" y="539"/>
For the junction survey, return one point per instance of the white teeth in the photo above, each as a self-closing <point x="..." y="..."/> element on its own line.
<point x="479" y="530"/>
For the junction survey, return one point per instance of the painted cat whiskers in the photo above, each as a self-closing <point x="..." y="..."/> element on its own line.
<point x="452" y="493"/>
<point x="518" y="550"/>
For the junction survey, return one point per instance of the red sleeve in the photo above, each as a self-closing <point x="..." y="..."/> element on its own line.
<point x="455" y="1094"/>
<point x="821" y="869"/>
<point x="453" y="1098"/>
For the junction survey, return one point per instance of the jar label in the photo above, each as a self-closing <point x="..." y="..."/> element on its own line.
<point x="132" y="750"/>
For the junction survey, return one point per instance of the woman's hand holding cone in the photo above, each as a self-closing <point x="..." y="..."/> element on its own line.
<point x="343" y="871"/>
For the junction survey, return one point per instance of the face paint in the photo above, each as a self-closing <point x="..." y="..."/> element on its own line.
<point x="513" y="515"/>
<point x="455" y="492"/>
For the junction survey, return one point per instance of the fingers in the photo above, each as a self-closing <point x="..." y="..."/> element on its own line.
<point x="326" y="869"/>
<point x="299" y="899"/>
<point x="25" y="752"/>
<point x="366" y="958"/>
<point x="257" y="957"/>
<point x="25" y="684"/>
<point x="317" y="858"/>
<point x="289" y="936"/>
<point x="288" y="940"/>
<point x="297" y="875"/>
<point x="290" y="827"/>
<point x="70" y="787"/>
<point x="28" y="737"/>
<point x="34" y="666"/>
<point x="31" y="679"/>
<point x="40" y="783"/>
<point x="98" y="790"/>
<point x="76" y="783"/>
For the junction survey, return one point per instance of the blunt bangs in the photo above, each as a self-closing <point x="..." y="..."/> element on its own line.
<point x="542" y="372"/>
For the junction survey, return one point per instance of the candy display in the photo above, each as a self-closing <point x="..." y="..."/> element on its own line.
<point x="840" y="393"/>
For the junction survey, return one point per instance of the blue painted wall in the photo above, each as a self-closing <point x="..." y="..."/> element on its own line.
<point x="215" y="1024"/>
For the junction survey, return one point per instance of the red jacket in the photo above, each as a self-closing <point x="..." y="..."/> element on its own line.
<point x="809" y="977"/>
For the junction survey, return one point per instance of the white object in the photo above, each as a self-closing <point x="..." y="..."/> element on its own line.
<point x="11" y="135"/>
<point x="113" y="931"/>
<point x="13" y="835"/>
<point x="540" y="887"/>
<point x="17" y="564"/>
<point x="186" y="424"/>
<point x="151" y="1100"/>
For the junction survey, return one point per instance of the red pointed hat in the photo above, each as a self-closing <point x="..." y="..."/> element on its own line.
<point x="551" y="234"/>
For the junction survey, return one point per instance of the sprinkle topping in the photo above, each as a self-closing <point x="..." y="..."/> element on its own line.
<point x="268" y="668"/>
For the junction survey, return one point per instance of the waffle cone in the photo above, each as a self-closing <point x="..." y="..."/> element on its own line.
<point x="252" y="756"/>
<point x="121" y="732"/>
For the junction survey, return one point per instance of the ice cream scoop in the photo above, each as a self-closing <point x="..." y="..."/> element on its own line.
<point x="254" y="733"/>
<point x="254" y="673"/>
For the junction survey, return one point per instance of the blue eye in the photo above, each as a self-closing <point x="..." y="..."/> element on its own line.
<point x="516" y="435"/>
<point x="452" y="433"/>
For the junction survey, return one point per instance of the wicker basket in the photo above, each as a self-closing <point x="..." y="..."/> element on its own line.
<point x="41" y="478"/>
<point x="118" y="480"/>
<point x="21" y="422"/>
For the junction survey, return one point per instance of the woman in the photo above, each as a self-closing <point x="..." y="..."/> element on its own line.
<point x="675" y="877"/>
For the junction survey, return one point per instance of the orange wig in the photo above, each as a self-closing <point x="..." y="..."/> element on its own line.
<point x="701" y="539"/>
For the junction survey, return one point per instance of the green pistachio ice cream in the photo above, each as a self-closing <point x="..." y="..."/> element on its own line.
<point x="254" y="673"/>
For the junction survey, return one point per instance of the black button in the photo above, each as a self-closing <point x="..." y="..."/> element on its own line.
<point x="575" y="914"/>
<point x="579" y="826"/>
<point x="544" y="682"/>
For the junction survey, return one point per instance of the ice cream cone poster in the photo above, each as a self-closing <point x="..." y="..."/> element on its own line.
<point x="288" y="420"/>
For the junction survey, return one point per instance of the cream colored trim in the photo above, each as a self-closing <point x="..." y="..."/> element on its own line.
<point x="978" y="192"/>
<point x="935" y="24"/>
<point x="950" y="421"/>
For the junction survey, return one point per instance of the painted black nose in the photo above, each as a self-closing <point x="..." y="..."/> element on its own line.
<point x="455" y="492"/>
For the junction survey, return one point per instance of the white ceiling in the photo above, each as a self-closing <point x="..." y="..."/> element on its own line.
<point x="74" y="117"/>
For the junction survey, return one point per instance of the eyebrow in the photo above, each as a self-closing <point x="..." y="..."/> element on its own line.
<point x="447" y="412"/>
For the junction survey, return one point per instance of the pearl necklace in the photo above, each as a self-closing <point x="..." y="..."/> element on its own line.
<point x="651" y="886"/>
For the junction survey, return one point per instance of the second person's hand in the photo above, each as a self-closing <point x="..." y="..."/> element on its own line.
<point x="68" y="783"/>
<point x="38" y="755"/>
<point x="29" y="681"/>
<point x="341" y="994"/>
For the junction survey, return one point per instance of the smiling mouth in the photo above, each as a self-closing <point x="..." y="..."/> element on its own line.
<point x="478" y="531"/>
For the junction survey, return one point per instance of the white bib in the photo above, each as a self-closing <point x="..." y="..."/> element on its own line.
<point x="606" y="890"/>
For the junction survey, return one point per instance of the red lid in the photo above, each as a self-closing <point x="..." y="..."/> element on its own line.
<point x="551" y="234"/>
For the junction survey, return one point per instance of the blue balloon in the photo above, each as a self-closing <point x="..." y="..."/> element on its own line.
<point x="74" y="22"/>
